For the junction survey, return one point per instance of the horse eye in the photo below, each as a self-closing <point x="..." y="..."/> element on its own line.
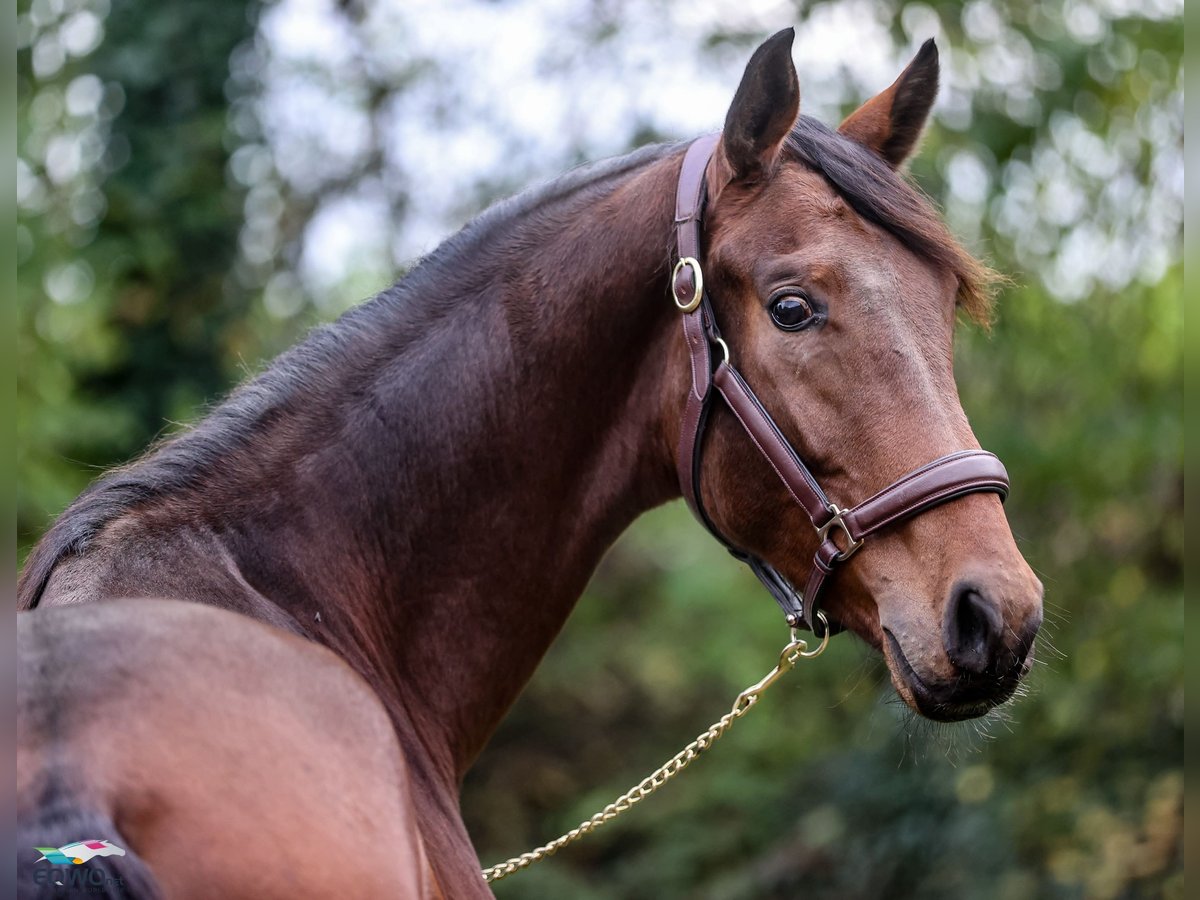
<point x="791" y="312"/>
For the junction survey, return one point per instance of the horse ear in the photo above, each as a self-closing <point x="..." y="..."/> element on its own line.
<point x="890" y="123"/>
<point x="763" y="111"/>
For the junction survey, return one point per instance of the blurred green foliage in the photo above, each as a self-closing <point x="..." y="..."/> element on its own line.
<point x="128" y="313"/>
<point x="138" y="302"/>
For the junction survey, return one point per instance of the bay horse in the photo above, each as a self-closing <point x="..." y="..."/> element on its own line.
<point x="339" y="580"/>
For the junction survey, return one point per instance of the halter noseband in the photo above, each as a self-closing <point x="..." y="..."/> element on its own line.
<point x="944" y="479"/>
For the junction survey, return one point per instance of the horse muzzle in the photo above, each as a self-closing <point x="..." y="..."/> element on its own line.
<point x="982" y="661"/>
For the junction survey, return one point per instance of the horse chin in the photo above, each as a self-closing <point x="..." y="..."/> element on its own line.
<point x="932" y="703"/>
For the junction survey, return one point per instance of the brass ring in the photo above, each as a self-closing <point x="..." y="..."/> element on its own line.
<point x="724" y="348"/>
<point x="699" y="276"/>
<point x="809" y="654"/>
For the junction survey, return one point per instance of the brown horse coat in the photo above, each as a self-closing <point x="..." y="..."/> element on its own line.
<point x="276" y="763"/>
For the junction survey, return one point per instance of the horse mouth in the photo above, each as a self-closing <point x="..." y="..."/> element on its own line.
<point x="966" y="697"/>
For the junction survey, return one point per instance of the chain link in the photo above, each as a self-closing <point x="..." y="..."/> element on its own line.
<point x="795" y="650"/>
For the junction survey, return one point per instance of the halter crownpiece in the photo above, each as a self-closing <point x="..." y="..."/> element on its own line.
<point x="942" y="480"/>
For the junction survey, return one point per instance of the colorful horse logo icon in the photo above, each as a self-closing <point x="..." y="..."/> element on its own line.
<point x="79" y="852"/>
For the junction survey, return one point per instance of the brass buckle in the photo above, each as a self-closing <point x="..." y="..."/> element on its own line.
<point x="699" y="278"/>
<point x="836" y="520"/>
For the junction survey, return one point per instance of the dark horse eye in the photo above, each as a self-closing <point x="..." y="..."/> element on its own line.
<point x="792" y="311"/>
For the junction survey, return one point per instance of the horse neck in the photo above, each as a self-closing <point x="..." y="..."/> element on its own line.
<point x="521" y="433"/>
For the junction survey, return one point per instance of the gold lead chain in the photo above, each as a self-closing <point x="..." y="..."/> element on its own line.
<point x="795" y="650"/>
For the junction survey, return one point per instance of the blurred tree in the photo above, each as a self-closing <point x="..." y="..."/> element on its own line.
<point x="128" y="234"/>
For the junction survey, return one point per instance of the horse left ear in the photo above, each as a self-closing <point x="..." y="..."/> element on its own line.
<point x="890" y="123"/>
<point x="763" y="111"/>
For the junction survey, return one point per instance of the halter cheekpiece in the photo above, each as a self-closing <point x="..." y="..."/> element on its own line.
<point x="840" y="532"/>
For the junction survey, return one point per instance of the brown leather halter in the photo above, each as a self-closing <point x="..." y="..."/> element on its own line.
<point x="944" y="479"/>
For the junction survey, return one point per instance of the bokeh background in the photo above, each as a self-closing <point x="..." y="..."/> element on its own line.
<point x="198" y="183"/>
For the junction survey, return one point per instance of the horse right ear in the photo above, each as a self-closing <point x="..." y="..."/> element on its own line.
<point x="890" y="123"/>
<point x="763" y="111"/>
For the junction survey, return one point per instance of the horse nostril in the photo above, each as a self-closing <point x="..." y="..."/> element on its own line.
<point x="972" y="630"/>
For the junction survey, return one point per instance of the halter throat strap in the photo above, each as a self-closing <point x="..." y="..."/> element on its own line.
<point x="840" y="532"/>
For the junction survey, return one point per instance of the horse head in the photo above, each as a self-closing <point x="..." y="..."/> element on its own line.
<point x="837" y="289"/>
